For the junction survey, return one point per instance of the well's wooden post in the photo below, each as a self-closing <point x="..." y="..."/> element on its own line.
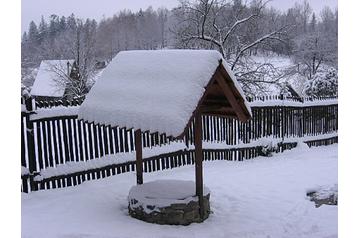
<point x="199" y="161"/>
<point x="139" y="156"/>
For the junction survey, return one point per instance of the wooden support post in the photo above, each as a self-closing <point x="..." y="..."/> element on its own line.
<point x="199" y="161"/>
<point x="30" y="148"/>
<point x="139" y="156"/>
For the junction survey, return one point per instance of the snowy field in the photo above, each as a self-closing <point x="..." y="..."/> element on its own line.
<point x="263" y="197"/>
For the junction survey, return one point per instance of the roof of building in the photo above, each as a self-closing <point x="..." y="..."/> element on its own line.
<point x="49" y="79"/>
<point x="160" y="90"/>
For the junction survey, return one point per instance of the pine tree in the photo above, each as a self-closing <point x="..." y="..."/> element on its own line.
<point x="62" y="24"/>
<point x="42" y="29"/>
<point x="54" y="26"/>
<point x="33" y="35"/>
<point x="313" y="23"/>
<point x="24" y="37"/>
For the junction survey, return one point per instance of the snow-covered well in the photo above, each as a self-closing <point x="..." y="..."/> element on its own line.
<point x="171" y="202"/>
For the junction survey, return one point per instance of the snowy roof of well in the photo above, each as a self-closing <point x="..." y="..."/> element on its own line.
<point x="48" y="78"/>
<point x="152" y="90"/>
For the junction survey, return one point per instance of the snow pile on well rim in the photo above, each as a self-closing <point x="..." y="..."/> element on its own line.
<point x="48" y="78"/>
<point x="163" y="193"/>
<point x="151" y="90"/>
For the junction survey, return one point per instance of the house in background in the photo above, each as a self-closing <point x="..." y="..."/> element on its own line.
<point x="50" y="81"/>
<point x="279" y="78"/>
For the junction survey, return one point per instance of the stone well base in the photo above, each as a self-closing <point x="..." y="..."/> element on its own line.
<point x="182" y="211"/>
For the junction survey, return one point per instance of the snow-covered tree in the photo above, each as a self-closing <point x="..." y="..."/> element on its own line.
<point x="238" y="29"/>
<point x="231" y="27"/>
<point x="323" y="84"/>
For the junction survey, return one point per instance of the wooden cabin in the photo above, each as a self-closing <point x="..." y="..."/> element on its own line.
<point x="50" y="81"/>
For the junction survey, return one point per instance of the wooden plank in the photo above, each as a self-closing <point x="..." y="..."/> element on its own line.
<point x="44" y="147"/>
<point x="66" y="140"/>
<point x="55" y="141"/>
<point x="75" y="142"/>
<point x="126" y="144"/>
<point x="39" y="155"/>
<point x="71" y="139"/>
<point x="23" y="142"/>
<point x="95" y="141"/>
<point x="139" y="156"/>
<point x="80" y="141"/>
<point x="100" y="140"/>
<point x="90" y="140"/>
<point x="111" y="140"/>
<point x="59" y="142"/>
<point x="121" y="141"/>
<point x="116" y="140"/>
<point x="105" y="139"/>
<point x="29" y="130"/>
<point x="131" y="139"/>
<point x="50" y="136"/>
<point x="85" y="146"/>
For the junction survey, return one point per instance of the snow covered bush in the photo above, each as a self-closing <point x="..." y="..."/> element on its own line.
<point x="28" y="76"/>
<point x="25" y="91"/>
<point x="324" y="83"/>
<point x="324" y="195"/>
<point x="267" y="147"/>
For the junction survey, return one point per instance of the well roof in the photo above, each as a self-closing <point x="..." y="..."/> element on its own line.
<point x="160" y="90"/>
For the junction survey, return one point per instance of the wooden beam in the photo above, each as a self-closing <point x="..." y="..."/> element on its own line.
<point x="240" y="98"/>
<point x="231" y="98"/>
<point x="221" y="114"/>
<point x="139" y="155"/>
<point x="199" y="161"/>
<point x="216" y="108"/>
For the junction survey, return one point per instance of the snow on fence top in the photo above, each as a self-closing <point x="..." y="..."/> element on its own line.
<point x="49" y="79"/>
<point x="306" y="102"/>
<point x="59" y="111"/>
<point x="152" y="90"/>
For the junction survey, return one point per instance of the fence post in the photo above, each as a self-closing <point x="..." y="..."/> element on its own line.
<point x="282" y="124"/>
<point x="30" y="140"/>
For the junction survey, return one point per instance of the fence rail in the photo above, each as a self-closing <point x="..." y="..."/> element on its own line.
<point x="49" y="141"/>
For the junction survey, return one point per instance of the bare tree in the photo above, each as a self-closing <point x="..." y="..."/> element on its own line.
<point x="225" y="26"/>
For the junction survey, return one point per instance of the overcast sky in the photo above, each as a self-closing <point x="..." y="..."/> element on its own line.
<point x="97" y="9"/>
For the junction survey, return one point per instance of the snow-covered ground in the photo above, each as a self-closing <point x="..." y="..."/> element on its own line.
<point x="262" y="197"/>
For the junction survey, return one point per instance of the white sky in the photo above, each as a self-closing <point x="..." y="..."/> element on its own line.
<point x="33" y="9"/>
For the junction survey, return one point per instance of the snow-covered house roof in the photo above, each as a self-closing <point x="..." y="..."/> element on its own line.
<point x="275" y="75"/>
<point x="48" y="79"/>
<point x="161" y="90"/>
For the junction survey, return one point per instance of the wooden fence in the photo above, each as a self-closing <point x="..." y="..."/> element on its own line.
<point x="50" y="141"/>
